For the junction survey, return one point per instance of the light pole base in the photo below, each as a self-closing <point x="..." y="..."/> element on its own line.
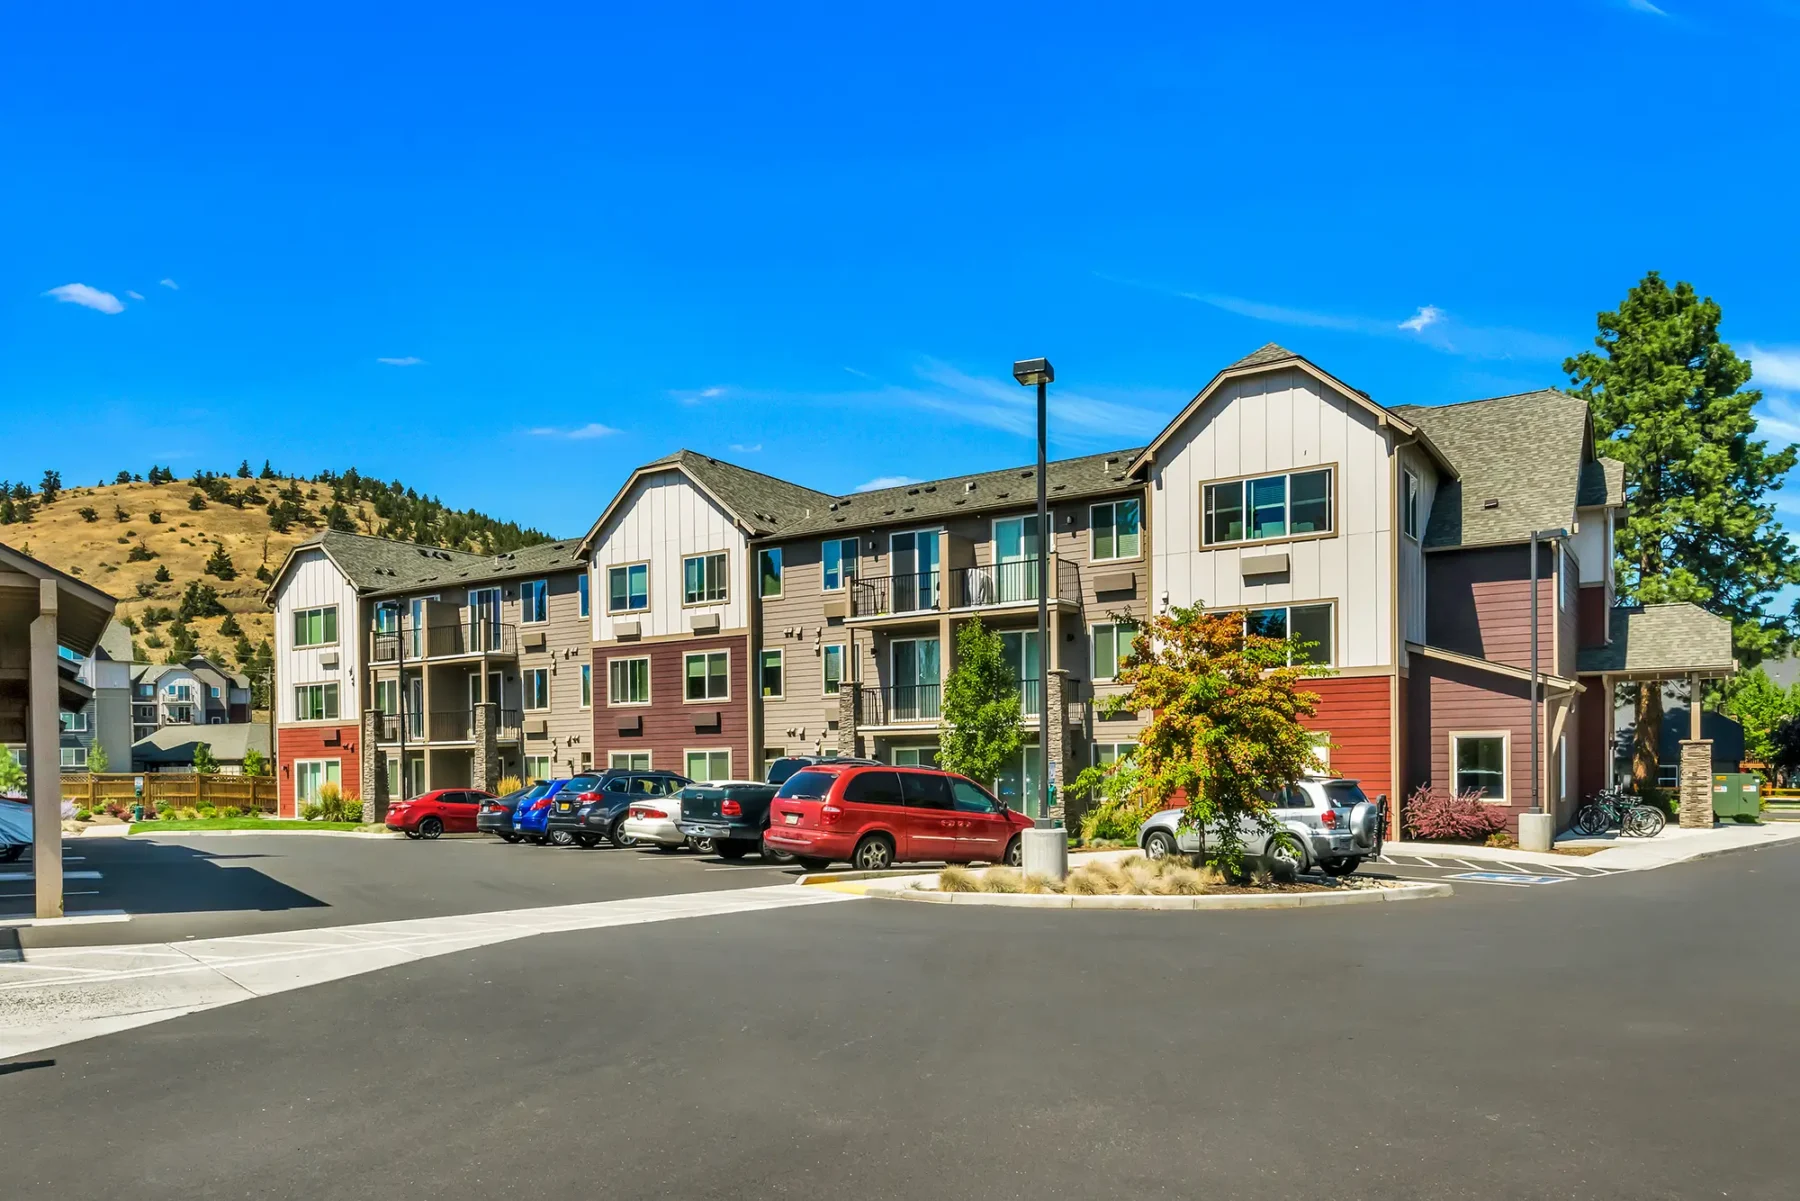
<point x="1046" y="853"/>
<point x="1536" y="831"/>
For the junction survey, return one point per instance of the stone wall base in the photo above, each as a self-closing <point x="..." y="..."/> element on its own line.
<point x="1696" y="783"/>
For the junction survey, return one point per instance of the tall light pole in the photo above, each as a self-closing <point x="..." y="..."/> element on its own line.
<point x="1554" y="537"/>
<point x="1039" y="372"/>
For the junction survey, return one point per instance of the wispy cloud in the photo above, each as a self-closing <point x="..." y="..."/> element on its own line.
<point x="1644" y="6"/>
<point x="169" y="283"/>
<point x="1779" y="418"/>
<point x="885" y="481"/>
<point x="581" y="433"/>
<point x="134" y="295"/>
<point x="1001" y="404"/>
<point x="1428" y="314"/>
<point x="87" y="298"/>
<point x="859" y="374"/>
<point x="697" y="397"/>
<point x="1776" y="366"/>
<point x="408" y="361"/>
<point x="742" y="449"/>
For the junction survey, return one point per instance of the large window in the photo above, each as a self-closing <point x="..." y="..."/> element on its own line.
<point x="703" y="579"/>
<point x="1311" y="624"/>
<point x="1113" y="530"/>
<point x="587" y="686"/>
<point x="535" y="682"/>
<point x="310" y="775"/>
<point x="534" y="602"/>
<point x="704" y="767"/>
<point x="1409" y="504"/>
<point x="315" y="627"/>
<point x="837" y="558"/>
<point x="628" y="682"/>
<point x="1272" y="506"/>
<point x="537" y="767"/>
<point x="387" y="696"/>
<point x="629" y="760"/>
<point x="74" y="723"/>
<point x="1479" y="764"/>
<point x="1108" y="753"/>
<point x="628" y="588"/>
<point x="708" y="675"/>
<point x="1112" y="646"/>
<point x="316" y="702"/>
<point x="834" y="669"/>
<point x="768" y="571"/>
<point x="768" y="673"/>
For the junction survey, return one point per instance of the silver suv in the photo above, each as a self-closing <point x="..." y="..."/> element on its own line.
<point x="1321" y="822"/>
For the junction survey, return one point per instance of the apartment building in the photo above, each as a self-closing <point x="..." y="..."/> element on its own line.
<point x="103" y="678"/>
<point x="196" y="693"/>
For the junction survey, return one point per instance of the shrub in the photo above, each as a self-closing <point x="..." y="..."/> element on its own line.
<point x="311" y="811"/>
<point x="1434" y="815"/>
<point x="1039" y="883"/>
<point x="506" y="784"/>
<point x="155" y="516"/>
<point x="1002" y="879"/>
<point x="956" y="878"/>
<point x="1500" y="838"/>
<point x="1116" y="819"/>
<point x="335" y="805"/>
<point x="231" y="811"/>
<point x="84" y="815"/>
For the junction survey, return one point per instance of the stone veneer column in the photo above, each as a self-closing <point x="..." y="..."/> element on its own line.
<point x="848" y="695"/>
<point x="374" y="770"/>
<point x="1696" y="783"/>
<point x="485" y="771"/>
<point x="1059" y="743"/>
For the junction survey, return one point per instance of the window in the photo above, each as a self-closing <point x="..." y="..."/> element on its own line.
<point x="703" y="579"/>
<point x="537" y="767"/>
<point x="921" y="791"/>
<point x="628" y="682"/>
<point x="1562" y="581"/>
<point x="74" y="756"/>
<point x="874" y="788"/>
<point x="706" y="676"/>
<point x="1310" y="624"/>
<point x="534" y="602"/>
<point x="1113" y="530"/>
<point x="837" y="558"/>
<point x="213" y="692"/>
<point x="968" y="798"/>
<point x="387" y="696"/>
<point x="915" y="756"/>
<point x="1479" y="764"/>
<point x="1108" y="753"/>
<point x="1668" y="775"/>
<point x="316" y="702"/>
<point x="1322" y="749"/>
<point x="310" y="775"/>
<point x="628" y="588"/>
<point x="1409" y="504"/>
<point x="581" y="590"/>
<point x="587" y="686"/>
<point x="181" y="692"/>
<point x="144" y="690"/>
<point x="704" y="767"/>
<point x="769" y="673"/>
<point x="315" y="627"/>
<point x="768" y="571"/>
<point x="834" y="670"/>
<point x="629" y="760"/>
<point x="1112" y="646"/>
<point x="73" y="723"/>
<point x="1273" y="506"/>
<point x="535" y="681"/>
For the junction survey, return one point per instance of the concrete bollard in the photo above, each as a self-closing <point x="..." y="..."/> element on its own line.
<point x="1537" y="831"/>
<point x="1046" y="853"/>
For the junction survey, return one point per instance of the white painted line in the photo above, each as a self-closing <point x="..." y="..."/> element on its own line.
<point x="1495" y="883"/>
<point x="767" y="867"/>
<point x="67" y="892"/>
<point x="1474" y="867"/>
<point x="12" y="876"/>
<point x="96" y="918"/>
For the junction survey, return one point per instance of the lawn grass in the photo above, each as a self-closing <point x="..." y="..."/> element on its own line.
<point x="269" y="824"/>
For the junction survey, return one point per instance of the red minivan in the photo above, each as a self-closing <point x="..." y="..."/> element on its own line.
<point x="875" y="817"/>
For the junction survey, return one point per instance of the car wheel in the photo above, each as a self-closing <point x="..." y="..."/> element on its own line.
<point x="431" y="827"/>
<point x="410" y="833"/>
<point x="1285" y="851"/>
<point x="875" y="853"/>
<point x="11" y="853"/>
<point x="1015" y="852"/>
<point x="811" y="863"/>
<point x="771" y="855"/>
<point x="561" y="838"/>
<point x="1159" y="845"/>
<point x="617" y="836"/>
<point x="669" y="848"/>
<point x="1341" y="867"/>
<point x="703" y="846"/>
<point x="587" y="842"/>
<point x="509" y="837"/>
<point x="731" y="848"/>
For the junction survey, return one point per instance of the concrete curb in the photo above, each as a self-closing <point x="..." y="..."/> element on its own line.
<point x="261" y="833"/>
<point x="1300" y="900"/>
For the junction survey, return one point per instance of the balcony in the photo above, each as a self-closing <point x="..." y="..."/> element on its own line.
<point x="901" y="705"/>
<point x="891" y="595"/>
<point x="463" y="640"/>
<point x="446" y="726"/>
<point x="1012" y="583"/>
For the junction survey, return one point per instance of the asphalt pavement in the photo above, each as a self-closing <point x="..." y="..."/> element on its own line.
<point x="1611" y="1038"/>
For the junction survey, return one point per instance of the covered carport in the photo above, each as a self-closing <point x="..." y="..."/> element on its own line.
<point x="40" y="610"/>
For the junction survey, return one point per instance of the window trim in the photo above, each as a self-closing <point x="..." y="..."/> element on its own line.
<point x="545" y="585"/>
<point x="649" y="759"/>
<point x="1094" y="675"/>
<point x="1094" y="750"/>
<point x="304" y="763"/>
<point x="80" y="716"/>
<point x="312" y="721"/>
<point x="1111" y="504"/>
<point x="1336" y="633"/>
<point x="64" y="757"/>
<point x="1505" y="737"/>
<point x="525" y="692"/>
<point x="337" y="627"/>
<point x="1332" y="495"/>
<point x="763" y="666"/>
<point x="584" y="587"/>
<point x="844" y="581"/>
<point x="762" y="553"/>
<point x="626" y="567"/>
<point x="710" y="700"/>
<point x="708" y="751"/>
<point x="724" y="579"/>
<point x="843" y="650"/>
<point x="649" y="682"/>
<point x="1410" y="493"/>
<point x="587" y="685"/>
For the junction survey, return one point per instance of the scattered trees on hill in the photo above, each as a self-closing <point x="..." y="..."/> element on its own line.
<point x="219" y="564"/>
<point x="87" y="514"/>
<point x="200" y="600"/>
<point x="51" y="487"/>
<point x="230" y="627"/>
<point x="184" y="644"/>
<point x="162" y="573"/>
<point x="139" y="554"/>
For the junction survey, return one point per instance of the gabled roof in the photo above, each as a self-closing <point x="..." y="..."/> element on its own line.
<point x="175" y="744"/>
<point x="546" y="558"/>
<point x="82" y="609"/>
<point x="1663" y="642"/>
<point x="1271" y="357"/>
<point x="761" y="505"/>
<point x="385" y="566"/>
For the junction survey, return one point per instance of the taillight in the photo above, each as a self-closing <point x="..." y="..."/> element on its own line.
<point x="587" y="796"/>
<point x="656" y="813"/>
<point x="541" y="803"/>
<point x="731" y="809"/>
<point x="1328" y="818"/>
<point x="829" y="813"/>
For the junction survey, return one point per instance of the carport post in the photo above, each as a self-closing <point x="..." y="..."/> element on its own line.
<point x="46" y="756"/>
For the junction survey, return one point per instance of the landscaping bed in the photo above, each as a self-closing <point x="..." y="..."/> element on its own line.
<point x="175" y="825"/>
<point x="1134" y="875"/>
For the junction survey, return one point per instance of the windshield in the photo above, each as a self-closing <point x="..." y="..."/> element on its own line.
<point x="783" y="770"/>
<point x="535" y="791"/>
<point x="583" y="784"/>
<point x="807" y="785"/>
<point x="1344" y="793"/>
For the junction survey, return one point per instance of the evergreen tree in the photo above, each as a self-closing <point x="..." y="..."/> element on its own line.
<point x="124" y="477"/>
<point x="200" y="600"/>
<point x="268" y="472"/>
<point x="219" y="564"/>
<point x="184" y="644"/>
<point x="262" y="676"/>
<point x="196" y="502"/>
<point x="981" y="706"/>
<point x="8" y="513"/>
<point x="230" y="628"/>
<point x="51" y="488"/>
<point x="244" y="470"/>
<point x="204" y="763"/>
<point x="162" y="573"/>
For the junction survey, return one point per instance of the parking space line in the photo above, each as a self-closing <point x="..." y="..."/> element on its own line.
<point x="11" y="877"/>
<point x="67" y="892"/>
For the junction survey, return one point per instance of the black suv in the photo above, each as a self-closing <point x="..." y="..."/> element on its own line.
<point x="787" y="765"/>
<point x="733" y="816"/>
<point x="592" y="807"/>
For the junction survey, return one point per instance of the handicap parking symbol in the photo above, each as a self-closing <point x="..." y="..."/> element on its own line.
<point x="1508" y="878"/>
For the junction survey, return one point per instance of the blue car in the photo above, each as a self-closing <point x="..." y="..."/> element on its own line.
<point x="531" y="814"/>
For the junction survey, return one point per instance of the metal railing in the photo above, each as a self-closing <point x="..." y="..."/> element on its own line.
<point x="899" y="704"/>
<point x="445" y="641"/>
<point x="1011" y="583"/>
<point x="879" y="596"/>
<point x="447" y="725"/>
<point x="1030" y="697"/>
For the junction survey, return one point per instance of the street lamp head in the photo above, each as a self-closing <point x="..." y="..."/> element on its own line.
<point x="1556" y="535"/>
<point x="1034" y="371"/>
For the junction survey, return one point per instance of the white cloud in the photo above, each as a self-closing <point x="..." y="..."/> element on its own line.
<point x="694" y="398"/>
<point x="1778" y="367"/>
<point x="87" y="298"/>
<point x="885" y="481"/>
<point x="169" y="283"/>
<point x="1428" y="314"/>
<point x="1644" y="6"/>
<point x="861" y="374"/>
<point x="742" y="449"/>
<point x="592" y="429"/>
<point x="1779" y="418"/>
<point x="408" y="361"/>
<point x="134" y="295"/>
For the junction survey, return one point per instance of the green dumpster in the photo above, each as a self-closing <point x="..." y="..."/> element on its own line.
<point x="1737" y="794"/>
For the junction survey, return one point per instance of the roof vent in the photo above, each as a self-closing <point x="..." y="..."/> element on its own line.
<point x="912" y="491"/>
<point x="968" y="485"/>
<point x="834" y="506"/>
<point x="1492" y="502"/>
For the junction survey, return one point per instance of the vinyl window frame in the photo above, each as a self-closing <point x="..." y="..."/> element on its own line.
<point x="525" y="689"/>
<point x="845" y="578"/>
<point x="627" y="568"/>
<point x="688" y="753"/>
<point x="1410" y="492"/>
<point x="843" y="658"/>
<point x="1290" y="606"/>
<point x="706" y="654"/>
<point x="1506" y="772"/>
<point x="1094" y="648"/>
<point x="1093" y="527"/>
<point x="540" y="590"/>
<point x="587" y="685"/>
<point x="1333" y="506"/>
<point x="327" y="691"/>
<point x="724" y="578"/>
<point x="613" y="757"/>
<point x="612" y="702"/>
<point x="762" y="673"/>
<point x="325" y="612"/>
<point x="765" y="555"/>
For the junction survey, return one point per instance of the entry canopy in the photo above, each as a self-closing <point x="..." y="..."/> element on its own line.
<point x="82" y="609"/>
<point x="1663" y="642"/>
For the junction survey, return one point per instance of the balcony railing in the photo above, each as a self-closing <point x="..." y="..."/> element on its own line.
<point x="901" y="704"/>
<point x="882" y="595"/>
<point x="448" y="725"/>
<point x="1011" y="583"/>
<point x="444" y="642"/>
<point x="1031" y="697"/>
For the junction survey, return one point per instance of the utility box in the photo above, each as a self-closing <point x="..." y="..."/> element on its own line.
<point x="1737" y="794"/>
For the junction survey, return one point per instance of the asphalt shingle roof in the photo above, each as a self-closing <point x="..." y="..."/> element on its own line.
<point x="175" y="744"/>
<point x="766" y="504"/>
<point x="1267" y="353"/>
<point x="546" y="558"/>
<point x="1667" y="640"/>
<point x="1602" y="483"/>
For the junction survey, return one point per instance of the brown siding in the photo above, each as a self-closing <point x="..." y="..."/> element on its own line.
<point x="1593" y="765"/>
<point x="1568" y="628"/>
<point x="1592" y="629"/>
<point x="795" y="624"/>
<point x="1447" y="697"/>
<point x="1481" y="604"/>
<point x="668" y="722"/>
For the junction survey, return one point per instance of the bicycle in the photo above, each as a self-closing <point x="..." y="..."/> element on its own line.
<point x="1614" y="807"/>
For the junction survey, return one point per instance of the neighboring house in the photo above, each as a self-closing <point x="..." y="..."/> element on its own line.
<point x="105" y="718"/>
<point x="171" y="749"/>
<point x="196" y="693"/>
<point x="224" y="694"/>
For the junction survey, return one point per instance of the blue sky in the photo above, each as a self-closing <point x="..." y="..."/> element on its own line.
<point x="505" y="254"/>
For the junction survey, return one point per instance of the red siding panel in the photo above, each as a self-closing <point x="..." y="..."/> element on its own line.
<point x="1357" y="713"/>
<point x="669" y="723"/>
<point x="294" y="743"/>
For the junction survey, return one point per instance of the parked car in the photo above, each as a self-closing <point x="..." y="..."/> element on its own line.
<point x="732" y="816"/>
<point x="531" y="817"/>
<point x="877" y="816"/>
<point x="1321" y="822"/>
<point x="597" y="810"/>
<point x="15" y="827"/>
<point x="440" y="811"/>
<point x="787" y="765"/>
<point x="655" y="820"/>
<point x="495" y="815"/>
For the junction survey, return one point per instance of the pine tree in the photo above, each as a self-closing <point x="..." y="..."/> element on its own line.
<point x="268" y="472"/>
<point x="230" y="628"/>
<point x="184" y="644"/>
<point x="162" y="573"/>
<point x="244" y="470"/>
<point x="51" y="488"/>
<point x="219" y="564"/>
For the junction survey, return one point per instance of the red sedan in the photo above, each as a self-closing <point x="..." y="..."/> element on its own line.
<point x="442" y="811"/>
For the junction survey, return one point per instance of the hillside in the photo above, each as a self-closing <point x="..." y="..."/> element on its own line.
<point x="156" y="545"/>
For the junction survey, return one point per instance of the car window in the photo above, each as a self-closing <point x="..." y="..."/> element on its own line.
<point x="874" y="788"/>
<point x="618" y="784"/>
<point x="783" y="770"/>
<point x="924" y="791"/>
<point x="648" y="786"/>
<point x="584" y="783"/>
<point x="1295" y="796"/>
<point x="1345" y="793"/>
<point x="970" y="799"/>
<point x="534" y="792"/>
<point x="807" y="785"/>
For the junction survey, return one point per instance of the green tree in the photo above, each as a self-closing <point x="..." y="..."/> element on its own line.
<point x="88" y="514"/>
<point x="268" y="472"/>
<point x="230" y="628"/>
<point x="254" y="763"/>
<point x="162" y="573"/>
<point x="201" y="600"/>
<point x="981" y="706"/>
<point x="219" y="564"/>
<point x="1669" y="402"/>
<point x="184" y="644"/>
<point x="9" y="513"/>
<point x="1759" y="705"/>
<point x="12" y="774"/>
<point x="196" y="502"/>
<point x="204" y="763"/>
<point x="98" y="760"/>
<point x="244" y="470"/>
<point x="124" y="477"/>
<point x="51" y="487"/>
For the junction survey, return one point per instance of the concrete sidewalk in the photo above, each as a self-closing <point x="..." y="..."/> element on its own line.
<point x="1673" y="845"/>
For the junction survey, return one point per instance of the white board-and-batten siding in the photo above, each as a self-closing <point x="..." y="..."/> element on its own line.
<point x="663" y="519"/>
<point x="1282" y="421"/>
<point x="312" y="581"/>
<point x="1412" y="551"/>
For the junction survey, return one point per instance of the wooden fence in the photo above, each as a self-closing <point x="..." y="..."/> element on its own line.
<point x="171" y="790"/>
